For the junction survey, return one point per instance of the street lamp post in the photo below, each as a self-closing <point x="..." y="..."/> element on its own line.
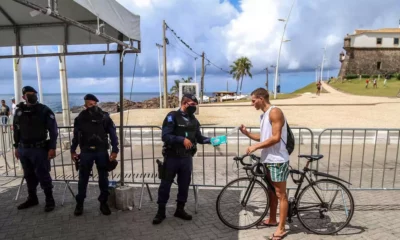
<point x="322" y="64"/>
<point x="159" y="71"/>
<point x="280" y="47"/>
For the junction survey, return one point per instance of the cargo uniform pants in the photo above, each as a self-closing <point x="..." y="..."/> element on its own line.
<point x="36" y="166"/>
<point x="181" y="166"/>
<point x="85" y="167"/>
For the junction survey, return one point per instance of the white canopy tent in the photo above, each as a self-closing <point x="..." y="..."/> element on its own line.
<point x="70" y="22"/>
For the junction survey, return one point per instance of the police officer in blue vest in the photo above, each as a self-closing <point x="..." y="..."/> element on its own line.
<point x="32" y="122"/>
<point x="91" y="130"/>
<point x="180" y="134"/>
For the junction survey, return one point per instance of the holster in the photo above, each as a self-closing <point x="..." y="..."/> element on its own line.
<point x="47" y="145"/>
<point x="161" y="169"/>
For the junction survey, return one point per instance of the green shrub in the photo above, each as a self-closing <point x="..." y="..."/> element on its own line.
<point x="365" y="76"/>
<point x="396" y="75"/>
<point x="351" y="76"/>
<point x="374" y="76"/>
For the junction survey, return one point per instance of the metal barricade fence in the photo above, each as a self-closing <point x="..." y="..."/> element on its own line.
<point x="367" y="158"/>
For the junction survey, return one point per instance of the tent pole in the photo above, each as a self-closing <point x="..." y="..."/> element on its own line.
<point x="121" y="114"/>
<point x="17" y="77"/>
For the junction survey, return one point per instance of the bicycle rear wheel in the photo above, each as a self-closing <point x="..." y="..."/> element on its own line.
<point x="330" y="215"/>
<point x="243" y="203"/>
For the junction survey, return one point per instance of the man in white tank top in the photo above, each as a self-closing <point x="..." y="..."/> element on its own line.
<point x="272" y="139"/>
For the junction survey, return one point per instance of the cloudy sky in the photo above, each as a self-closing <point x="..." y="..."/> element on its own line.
<point x="224" y="30"/>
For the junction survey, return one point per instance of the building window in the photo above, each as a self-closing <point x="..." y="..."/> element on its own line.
<point x="379" y="66"/>
<point x="396" y="41"/>
<point x="379" y="41"/>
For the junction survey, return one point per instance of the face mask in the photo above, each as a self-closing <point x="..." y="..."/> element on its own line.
<point x="191" y="110"/>
<point x="92" y="109"/>
<point x="31" y="98"/>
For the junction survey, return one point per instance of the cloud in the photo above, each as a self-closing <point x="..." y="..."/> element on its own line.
<point x="225" y="31"/>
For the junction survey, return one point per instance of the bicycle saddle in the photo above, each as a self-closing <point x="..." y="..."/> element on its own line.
<point x="311" y="157"/>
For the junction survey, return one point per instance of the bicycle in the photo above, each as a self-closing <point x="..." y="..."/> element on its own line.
<point x="320" y="212"/>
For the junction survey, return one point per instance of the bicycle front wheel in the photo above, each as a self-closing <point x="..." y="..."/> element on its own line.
<point x="243" y="203"/>
<point x="325" y="207"/>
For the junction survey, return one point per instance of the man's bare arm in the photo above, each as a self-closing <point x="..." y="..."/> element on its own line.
<point x="252" y="136"/>
<point x="277" y="121"/>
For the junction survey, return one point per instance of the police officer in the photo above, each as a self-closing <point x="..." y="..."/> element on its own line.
<point x="180" y="133"/>
<point x="91" y="129"/>
<point x="32" y="122"/>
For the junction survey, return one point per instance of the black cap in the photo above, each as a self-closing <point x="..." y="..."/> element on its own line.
<point x="28" y="89"/>
<point x="91" y="97"/>
<point x="191" y="96"/>
<point x="111" y="165"/>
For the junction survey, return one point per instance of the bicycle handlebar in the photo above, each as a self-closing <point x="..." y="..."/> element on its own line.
<point x="248" y="166"/>
<point x="252" y="156"/>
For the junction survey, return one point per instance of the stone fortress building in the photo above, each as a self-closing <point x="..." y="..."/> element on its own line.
<point x="371" y="52"/>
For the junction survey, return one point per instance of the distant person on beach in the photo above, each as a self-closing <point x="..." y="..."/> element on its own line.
<point x="384" y="81"/>
<point x="366" y="83"/>
<point x="32" y="123"/>
<point x="4" y="112"/>
<point x="13" y="106"/>
<point x="91" y="130"/>
<point x="319" y="87"/>
<point x="375" y="85"/>
<point x="272" y="141"/>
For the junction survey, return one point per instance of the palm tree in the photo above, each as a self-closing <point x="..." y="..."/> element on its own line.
<point x="175" y="89"/>
<point x="239" y="69"/>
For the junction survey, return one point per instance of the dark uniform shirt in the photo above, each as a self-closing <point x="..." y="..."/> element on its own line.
<point x="50" y="123"/>
<point x="110" y="129"/>
<point x="169" y="125"/>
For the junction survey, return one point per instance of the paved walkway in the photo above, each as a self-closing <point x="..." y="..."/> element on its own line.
<point x="376" y="217"/>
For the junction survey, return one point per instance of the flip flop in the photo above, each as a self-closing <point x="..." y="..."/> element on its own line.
<point x="263" y="224"/>
<point x="278" y="237"/>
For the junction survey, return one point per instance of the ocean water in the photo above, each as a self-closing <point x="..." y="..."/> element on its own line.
<point x="289" y="82"/>
<point x="53" y="101"/>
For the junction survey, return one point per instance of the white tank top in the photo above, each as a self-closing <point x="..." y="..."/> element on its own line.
<point x="276" y="153"/>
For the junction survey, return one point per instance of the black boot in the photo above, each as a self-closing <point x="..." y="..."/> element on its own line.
<point x="30" y="202"/>
<point x="50" y="203"/>
<point x="104" y="208"/>
<point x="78" y="209"/>
<point x="180" y="212"/>
<point x="160" y="216"/>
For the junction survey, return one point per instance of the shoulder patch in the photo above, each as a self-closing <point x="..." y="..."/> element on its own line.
<point x="51" y="116"/>
<point x="169" y="118"/>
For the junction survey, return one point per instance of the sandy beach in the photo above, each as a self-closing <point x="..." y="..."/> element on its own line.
<point x="330" y="110"/>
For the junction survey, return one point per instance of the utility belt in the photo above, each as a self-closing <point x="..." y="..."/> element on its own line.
<point x="178" y="151"/>
<point x="41" y="144"/>
<point x="94" y="148"/>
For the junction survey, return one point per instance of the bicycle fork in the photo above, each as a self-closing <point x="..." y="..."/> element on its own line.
<point x="247" y="194"/>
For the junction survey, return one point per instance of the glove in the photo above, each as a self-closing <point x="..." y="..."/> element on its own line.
<point x="218" y="140"/>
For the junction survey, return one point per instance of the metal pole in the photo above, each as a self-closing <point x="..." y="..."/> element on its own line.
<point x="267" y="79"/>
<point x="39" y="77"/>
<point x="195" y="75"/>
<point x="64" y="88"/>
<point x="121" y="115"/>
<point x="202" y="78"/>
<point x="17" y="77"/>
<point x="159" y="72"/>
<point x="165" y="66"/>
<point x="280" y="47"/>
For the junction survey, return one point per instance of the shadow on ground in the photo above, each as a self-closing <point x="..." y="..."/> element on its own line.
<point x="34" y="223"/>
